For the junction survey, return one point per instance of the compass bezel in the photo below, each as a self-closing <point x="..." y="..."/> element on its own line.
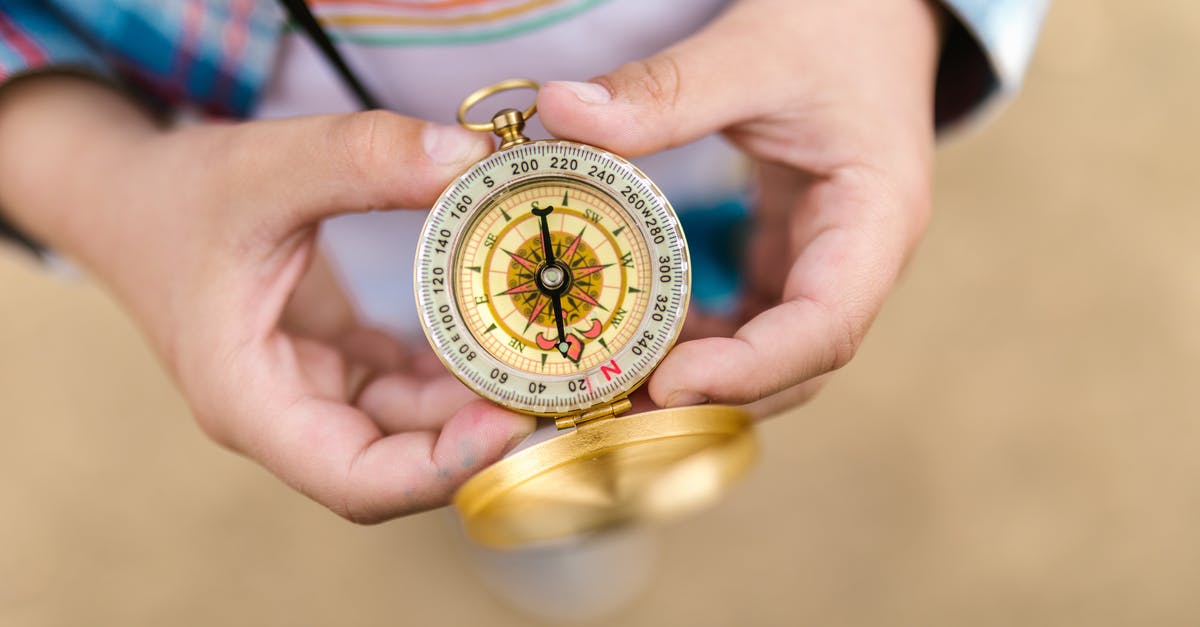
<point x="436" y="280"/>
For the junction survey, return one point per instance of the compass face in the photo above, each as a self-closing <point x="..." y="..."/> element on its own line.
<point x="552" y="277"/>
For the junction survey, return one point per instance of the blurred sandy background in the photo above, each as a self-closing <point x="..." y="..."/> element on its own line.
<point x="1017" y="444"/>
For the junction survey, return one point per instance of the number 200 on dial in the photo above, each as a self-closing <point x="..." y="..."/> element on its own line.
<point x="552" y="277"/>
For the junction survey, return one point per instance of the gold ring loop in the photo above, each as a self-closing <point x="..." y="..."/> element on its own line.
<point x="491" y="90"/>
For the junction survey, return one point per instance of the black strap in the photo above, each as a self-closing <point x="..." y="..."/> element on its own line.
<point x="300" y="14"/>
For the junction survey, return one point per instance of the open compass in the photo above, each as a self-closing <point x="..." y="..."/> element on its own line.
<point x="551" y="278"/>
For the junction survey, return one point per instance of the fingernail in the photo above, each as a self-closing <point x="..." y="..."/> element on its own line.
<point x="448" y="145"/>
<point x="686" y="397"/>
<point x="591" y="93"/>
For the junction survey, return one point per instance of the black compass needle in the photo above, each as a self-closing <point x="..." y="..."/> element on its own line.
<point x="555" y="294"/>
<point x="547" y="249"/>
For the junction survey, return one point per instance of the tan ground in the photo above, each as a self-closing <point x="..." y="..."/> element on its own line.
<point x="1017" y="444"/>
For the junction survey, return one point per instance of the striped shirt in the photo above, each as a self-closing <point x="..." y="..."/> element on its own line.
<point x="217" y="54"/>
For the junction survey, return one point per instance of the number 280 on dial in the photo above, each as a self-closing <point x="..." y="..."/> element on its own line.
<point x="552" y="277"/>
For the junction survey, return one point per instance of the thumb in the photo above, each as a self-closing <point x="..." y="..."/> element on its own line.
<point x="693" y="89"/>
<point x="319" y="166"/>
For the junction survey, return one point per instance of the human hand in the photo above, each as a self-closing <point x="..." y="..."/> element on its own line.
<point x="834" y="100"/>
<point x="206" y="234"/>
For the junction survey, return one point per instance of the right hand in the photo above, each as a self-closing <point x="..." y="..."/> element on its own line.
<point x="205" y="234"/>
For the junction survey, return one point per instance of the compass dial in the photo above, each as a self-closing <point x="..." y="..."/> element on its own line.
<point x="552" y="277"/>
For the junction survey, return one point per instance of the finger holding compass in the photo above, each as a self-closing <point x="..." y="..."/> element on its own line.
<point x="844" y="218"/>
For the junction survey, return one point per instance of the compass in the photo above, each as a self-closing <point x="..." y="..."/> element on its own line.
<point x="551" y="278"/>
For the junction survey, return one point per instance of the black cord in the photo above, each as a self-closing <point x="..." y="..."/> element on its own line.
<point x="301" y="15"/>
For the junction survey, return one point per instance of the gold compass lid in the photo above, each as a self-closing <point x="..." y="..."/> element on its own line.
<point x="606" y="473"/>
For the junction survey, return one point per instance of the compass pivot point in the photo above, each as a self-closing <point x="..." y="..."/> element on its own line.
<point x="553" y="276"/>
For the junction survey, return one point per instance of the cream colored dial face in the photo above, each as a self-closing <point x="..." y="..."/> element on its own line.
<point x="552" y="277"/>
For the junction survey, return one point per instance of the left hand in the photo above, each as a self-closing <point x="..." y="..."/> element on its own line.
<point x="834" y="101"/>
<point x="207" y="234"/>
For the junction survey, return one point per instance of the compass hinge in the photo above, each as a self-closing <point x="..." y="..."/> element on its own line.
<point x="608" y="410"/>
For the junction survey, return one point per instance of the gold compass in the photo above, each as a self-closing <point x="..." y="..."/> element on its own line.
<point x="551" y="278"/>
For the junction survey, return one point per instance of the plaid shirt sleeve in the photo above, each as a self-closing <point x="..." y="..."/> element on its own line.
<point x="211" y="54"/>
<point x="988" y="45"/>
<point x="32" y="37"/>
